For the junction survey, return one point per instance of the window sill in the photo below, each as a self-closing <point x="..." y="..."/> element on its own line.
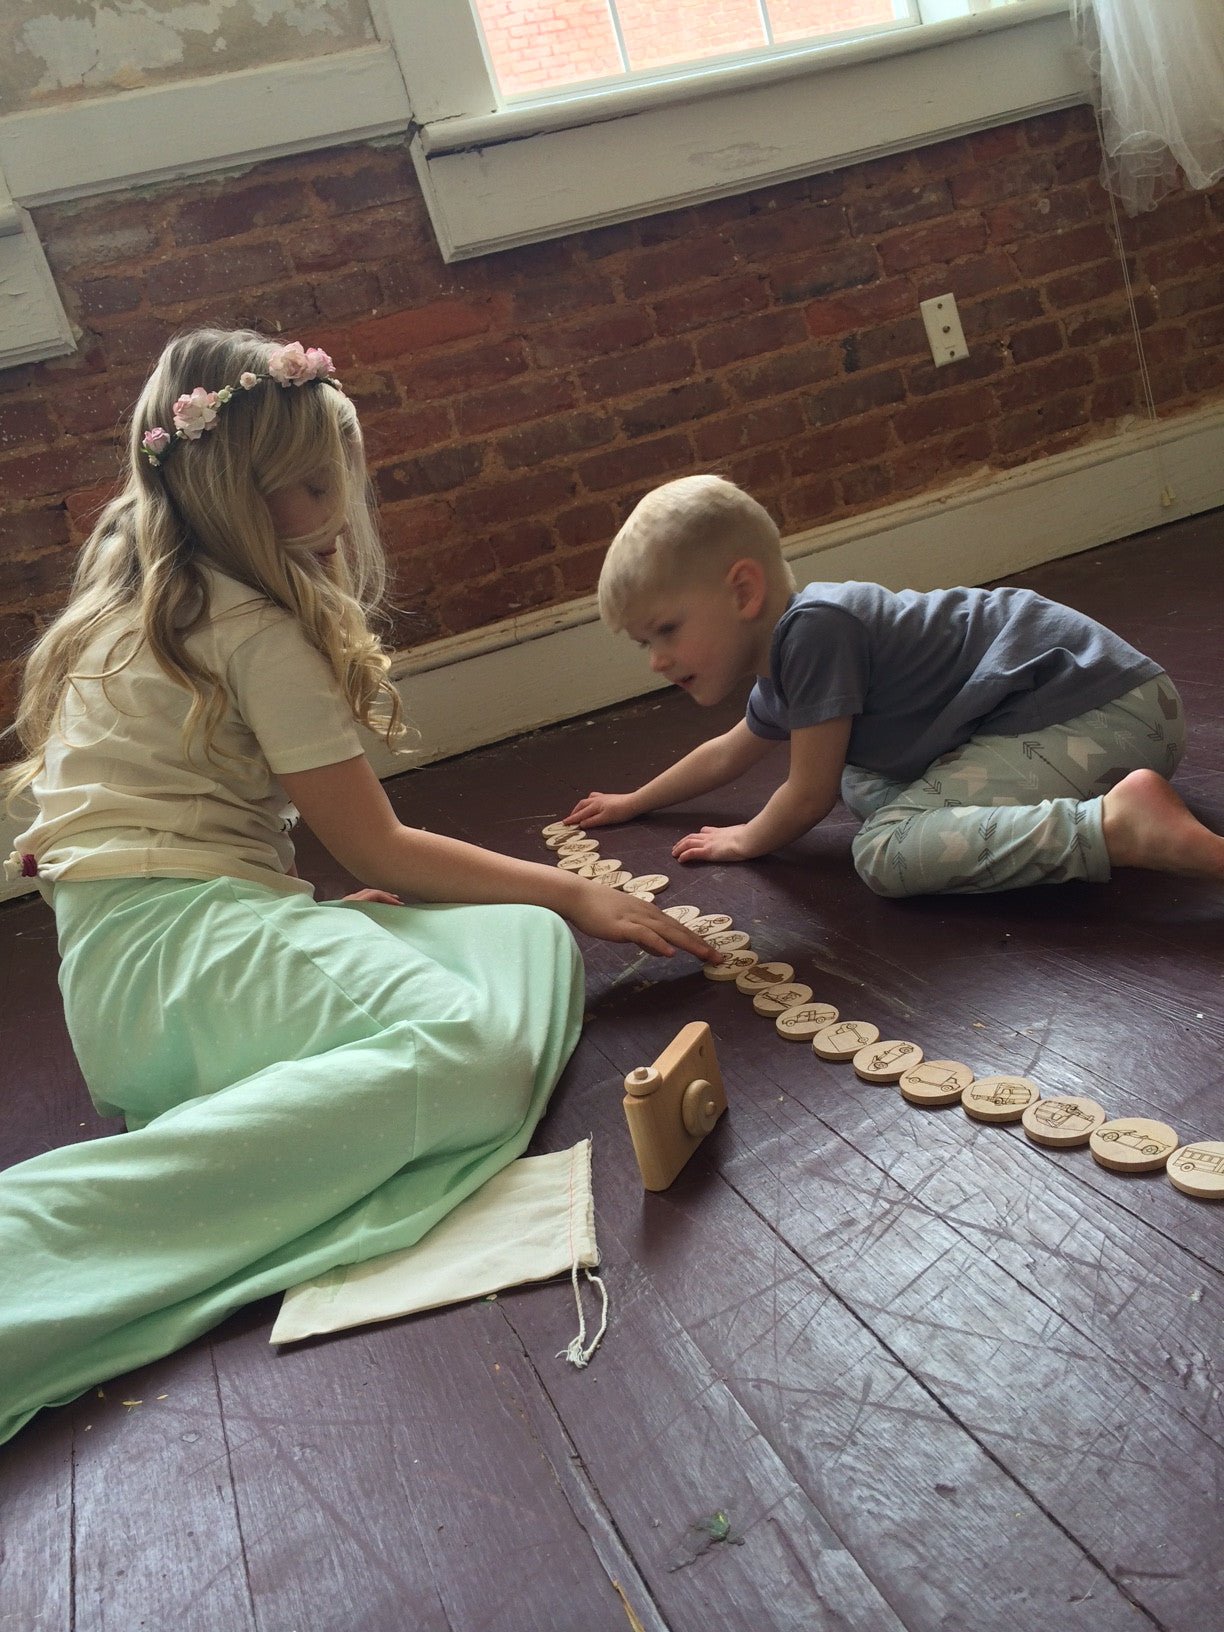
<point x="493" y="181"/>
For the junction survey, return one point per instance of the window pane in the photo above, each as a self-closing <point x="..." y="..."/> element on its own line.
<point x="659" y="33"/>
<point x="807" y="19"/>
<point x="538" y="45"/>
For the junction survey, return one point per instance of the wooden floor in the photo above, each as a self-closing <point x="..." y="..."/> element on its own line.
<point x="934" y="1377"/>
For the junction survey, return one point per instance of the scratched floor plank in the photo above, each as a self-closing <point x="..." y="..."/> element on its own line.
<point x="396" y="1469"/>
<point x="926" y="1511"/>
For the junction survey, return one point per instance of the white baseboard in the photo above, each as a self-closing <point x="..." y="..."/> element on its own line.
<point x="553" y="665"/>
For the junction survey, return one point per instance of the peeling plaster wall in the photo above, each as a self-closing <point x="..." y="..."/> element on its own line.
<point x="59" y="50"/>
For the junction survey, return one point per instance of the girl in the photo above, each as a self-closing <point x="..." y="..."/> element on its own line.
<point x="304" y="1084"/>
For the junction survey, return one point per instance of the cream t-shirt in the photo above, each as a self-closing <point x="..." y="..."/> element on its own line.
<point x="121" y="797"/>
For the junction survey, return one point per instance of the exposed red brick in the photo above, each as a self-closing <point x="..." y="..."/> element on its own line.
<point x="513" y="404"/>
<point x="884" y="345"/>
<point x="399" y="333"/>
<point x="999" y="312"/>
<point x="1060" y="250"/>
<point x="975" y="185"/>
<point x="865" y="486"/>
<point x="435" y="472"/>
<point x="899" y="206"/>
<point x="710" y="304"/>
<point x="543" y="491"/>
<point x="1014" y="431"/>
<point x="775" y="422"/>
<point x="819" y="275"/>
<point x="1037" y="340"/>
<point x="938" y="241"/>
<point x="580" y="569"/>
<point x="680" y="406"/>
<point x="547" y="299"/>
<point x="1173" y="261"/>
<point x="1122" y="356"/>
<point x="938" y="415"/>
<point x="788" y="371"/>
<point x="347" y="296"/>
<point x="763" y="236"/>
<point x="555" y="438"/>
<point x="1198" y="295"/>
<point x="410" y="531"/>
<point x="692" y="260"/>
<point x="470" y="606"/>
<point x="388" y="178"/>
<point x="1079" y="288"/>
<point x="878" y="303"/>
<point x="29" y="474"/>
<point x="640" y="462"/>
<point x="752" y="336"/>
<point x="1040" y="213"/>
<point x="630" y="371"/>
<point x="809" y="502"/>
<point x="941" y="461"/>
<point x="390" y="435"/>
<point x="584" y="523"/>
<point x="841" y="445"/>
<point x="204" y="218"/>
<point x="24" y="531"/>
<point x="857" y="395"/>
<point x="25" y="424"/>
<point x="1040" y="381"/>
<point x="461" y="369"/>
<point x="102" y="297"/>
<point x="616" y="330"/>
<point x="188" y="277"/>
<point x="985" y="360"/>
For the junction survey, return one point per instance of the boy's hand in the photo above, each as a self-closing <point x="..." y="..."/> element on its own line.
<point x="714" y="844"/>
<point x="614" y="916"/>
<point x="603" y="810"/>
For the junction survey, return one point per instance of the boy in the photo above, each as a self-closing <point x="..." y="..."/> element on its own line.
<point x="988" y="738"/>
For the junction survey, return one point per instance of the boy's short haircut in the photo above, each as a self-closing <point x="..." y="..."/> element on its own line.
<point x="687" y="531"/>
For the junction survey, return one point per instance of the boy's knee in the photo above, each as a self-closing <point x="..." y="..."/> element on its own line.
<point x="879" y="862"/>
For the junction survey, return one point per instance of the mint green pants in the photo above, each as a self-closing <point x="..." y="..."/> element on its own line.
<point x="304" y="1084"/>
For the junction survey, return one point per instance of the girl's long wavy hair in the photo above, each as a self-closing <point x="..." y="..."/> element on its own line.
<point x="204" y="506"/>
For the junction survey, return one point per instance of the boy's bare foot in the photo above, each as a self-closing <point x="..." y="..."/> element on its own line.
<point x="1147" y="824"/>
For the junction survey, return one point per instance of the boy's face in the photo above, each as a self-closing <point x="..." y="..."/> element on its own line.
<point x="697" y="638"/>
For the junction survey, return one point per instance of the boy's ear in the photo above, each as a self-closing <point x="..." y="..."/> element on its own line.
<point x="746" y="580"/>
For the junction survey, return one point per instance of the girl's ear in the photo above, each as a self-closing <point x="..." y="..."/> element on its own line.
<point x="746" y="580"/>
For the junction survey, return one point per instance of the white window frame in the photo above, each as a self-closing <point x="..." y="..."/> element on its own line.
<point x="494" y="178"/>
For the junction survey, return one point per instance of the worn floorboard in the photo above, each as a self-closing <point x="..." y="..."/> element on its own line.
<point x="934" y="1377"/>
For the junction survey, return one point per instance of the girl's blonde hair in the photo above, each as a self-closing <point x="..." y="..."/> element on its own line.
<point x="686" y="532"/>
<point x="203" y="506"/>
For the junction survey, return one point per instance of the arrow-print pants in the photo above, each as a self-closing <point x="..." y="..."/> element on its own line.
<point x="1002" y="812"/>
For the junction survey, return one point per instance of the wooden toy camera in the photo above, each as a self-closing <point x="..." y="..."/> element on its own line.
<point x="671" y="1105"/>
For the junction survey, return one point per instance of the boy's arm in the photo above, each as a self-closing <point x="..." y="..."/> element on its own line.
<point x="817" y="758"/>
<point x="710" y="765"/>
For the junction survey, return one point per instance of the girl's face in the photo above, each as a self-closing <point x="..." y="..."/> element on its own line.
<point x="308" y="515"/>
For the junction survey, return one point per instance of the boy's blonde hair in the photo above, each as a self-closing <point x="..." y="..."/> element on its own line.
<point x="204" y="506"/>
<point x="687" y="531"/>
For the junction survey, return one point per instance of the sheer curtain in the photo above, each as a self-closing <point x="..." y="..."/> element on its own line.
<point x="1159" y="70"/>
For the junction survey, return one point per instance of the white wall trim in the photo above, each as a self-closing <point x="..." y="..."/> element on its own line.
<point x="557" y="664"/>
<point x="185" y="127"/>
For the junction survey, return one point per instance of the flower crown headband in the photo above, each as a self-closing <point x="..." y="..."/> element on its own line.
<point x="196" y="412"/>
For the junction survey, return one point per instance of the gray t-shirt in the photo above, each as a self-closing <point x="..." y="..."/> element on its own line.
<point x="922" y="673"/>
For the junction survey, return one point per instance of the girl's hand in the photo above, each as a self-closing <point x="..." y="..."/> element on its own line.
<point x="713" y="844"/>
<point x="602" y="810"/>
<point x="614" y="916"/>
<point x="385" y="896"/>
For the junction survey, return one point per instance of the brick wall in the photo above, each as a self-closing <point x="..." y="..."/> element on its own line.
<point x="518" y="405"/>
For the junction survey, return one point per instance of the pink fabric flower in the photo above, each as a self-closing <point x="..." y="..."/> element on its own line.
<point x="320" y="363"/>
<point x="196" y="413"/>
<point x="156" y="441"/>
<point x="290" y="365"/>
<point x="248" y="380"/>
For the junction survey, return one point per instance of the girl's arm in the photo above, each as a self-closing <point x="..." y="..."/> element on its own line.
<point x="710" y="765"/>
<point x="817" y="759"/>
<point x="346" y="808"/>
